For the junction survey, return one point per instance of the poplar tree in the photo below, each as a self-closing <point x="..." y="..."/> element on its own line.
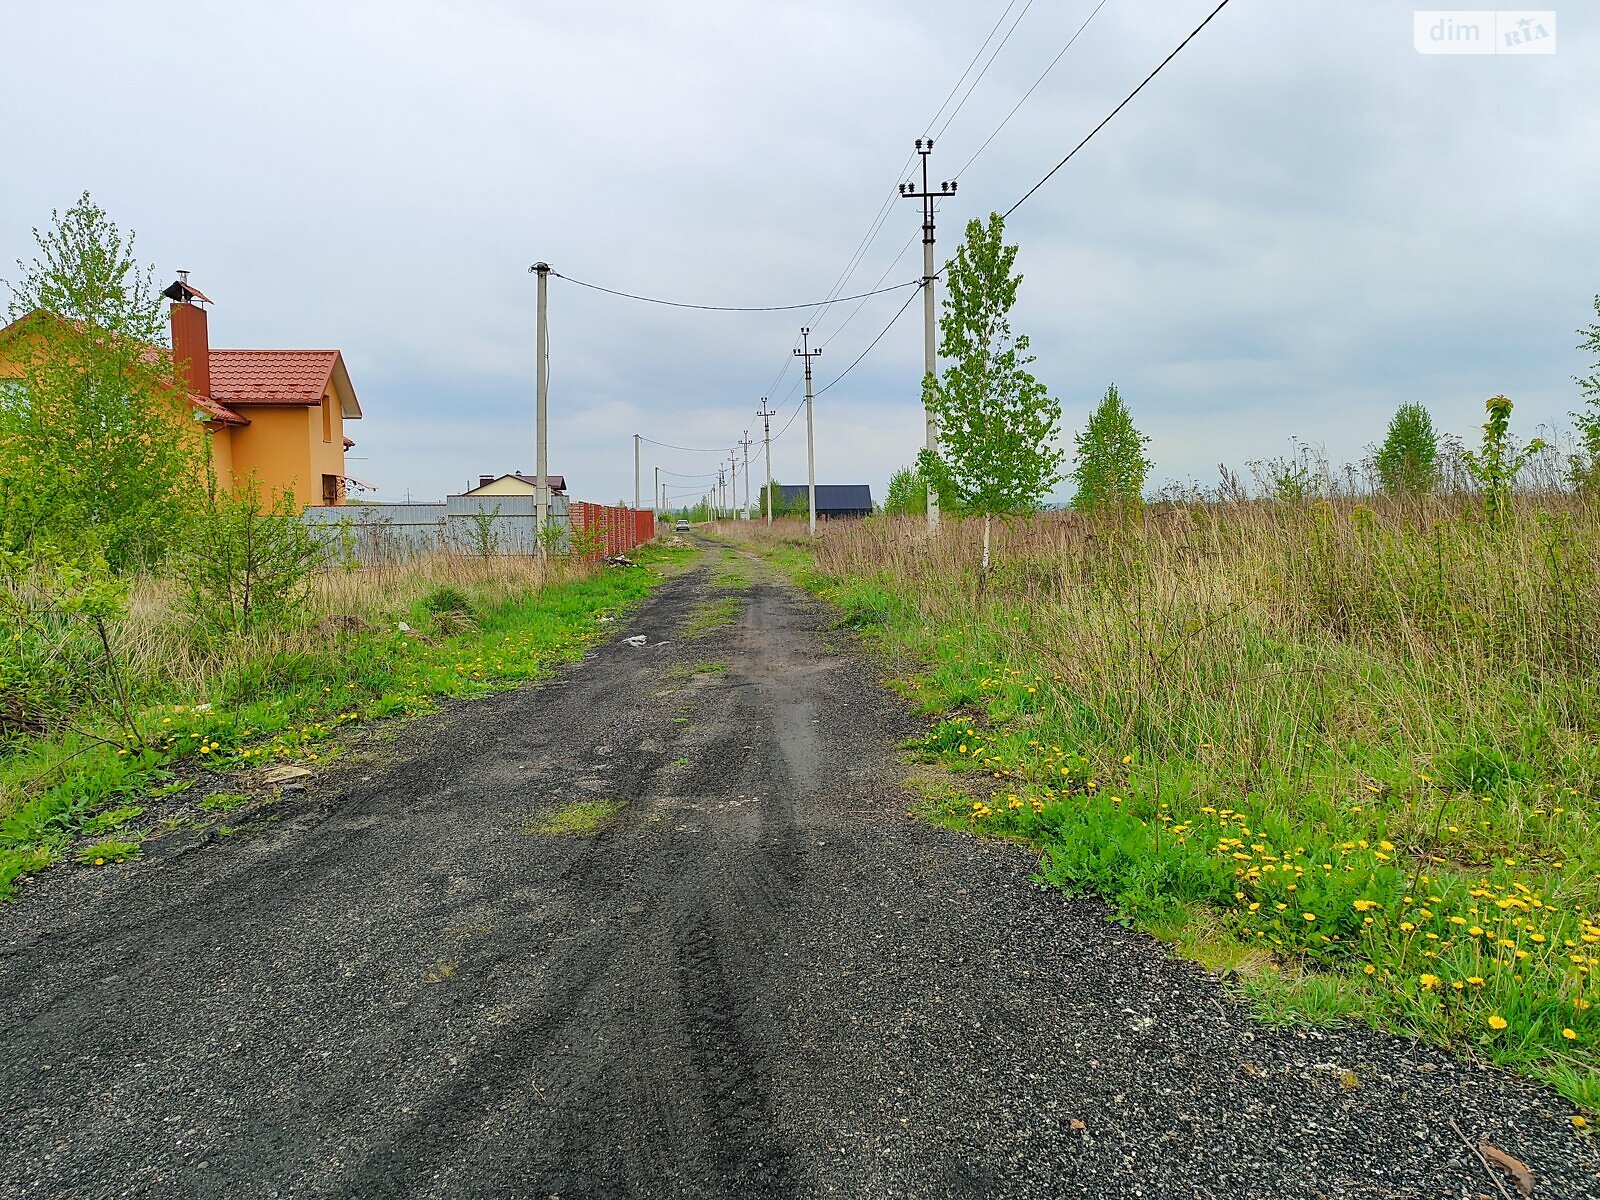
<point x="997" y="423"/>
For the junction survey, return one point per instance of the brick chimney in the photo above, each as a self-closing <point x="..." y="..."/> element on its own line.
<point x="191" y="344"/>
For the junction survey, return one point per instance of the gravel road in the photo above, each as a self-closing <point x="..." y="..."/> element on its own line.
<point x="764" y="980"/>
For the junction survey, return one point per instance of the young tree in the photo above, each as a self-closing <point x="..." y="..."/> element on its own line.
<point x="996" y="421"/>
<point x="900" y="500"/>
<point x="96" y="444"/>
<point x="1497" y="464"/>
<point x="1408" y="460"/>
<point x="1586" y="464"/>
<point x="1110" y="465"/>
<point x="908" y="495"/>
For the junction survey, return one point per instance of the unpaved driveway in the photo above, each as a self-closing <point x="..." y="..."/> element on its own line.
<point x="763" y="981"/>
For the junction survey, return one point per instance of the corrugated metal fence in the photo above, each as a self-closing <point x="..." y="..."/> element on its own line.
<point x="477" y="525"/>
<point x="614" y="530"/>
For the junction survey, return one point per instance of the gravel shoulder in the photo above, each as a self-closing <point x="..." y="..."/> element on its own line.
<point x="763" y="979"/>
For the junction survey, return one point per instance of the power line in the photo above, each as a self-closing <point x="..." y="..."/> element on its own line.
<point x="686" y="449"/>
<point x="1115" y="110"/>
<point x="862" y="303"/>
<point x="1031" y="90"/>
<point x="685" y="474"/>
<point x="875" y="226"/>
<point x="985" y="70"/>
<point x="999" y="21"/>
<point x="870" y="344"/>
<point x="729" y="307"/>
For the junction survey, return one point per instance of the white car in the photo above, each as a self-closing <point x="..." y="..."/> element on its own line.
<point x="681" y="527"/>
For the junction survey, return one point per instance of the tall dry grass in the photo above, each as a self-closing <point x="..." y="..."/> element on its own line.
<point x="158" y="642"/>
<point x="1340" y="645"/>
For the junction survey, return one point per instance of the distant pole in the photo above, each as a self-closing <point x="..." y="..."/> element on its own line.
<point x="655" y="495"/>
<point x="804" y="351"/>
<point x="636" y="472"/>
<point x="930" y="362"/>
<point x="541" y="478"/>
<point x="746" y="444"/>
<point x="722" y="489"/>
<point x="766" y="438"/>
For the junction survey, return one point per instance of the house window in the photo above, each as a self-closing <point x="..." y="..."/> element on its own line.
<point x="330" y="489"/>
<point x="327" y="418"/>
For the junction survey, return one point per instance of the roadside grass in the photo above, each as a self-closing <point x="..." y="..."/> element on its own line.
<point x="475" y="626"/>
<point x="1349" y="751"/>
<point x="582" y="818"/>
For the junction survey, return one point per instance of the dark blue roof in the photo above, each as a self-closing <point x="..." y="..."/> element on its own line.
<point x="832" y="497"/>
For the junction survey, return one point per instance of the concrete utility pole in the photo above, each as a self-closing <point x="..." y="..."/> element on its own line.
<point x="804" y="351"/>
<point x="745" y="442"/>
<point x="766" y="437"/>
<point x="930" y="361"/>
<point x="636" y="472"/>
<point x="655" y="495"/>
<point x="722" y="489"/>
<point x="541" y="478"/>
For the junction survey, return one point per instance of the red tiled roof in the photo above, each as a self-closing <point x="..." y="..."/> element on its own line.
<point x="217" y="412"/>
<point x="271" y="376"/>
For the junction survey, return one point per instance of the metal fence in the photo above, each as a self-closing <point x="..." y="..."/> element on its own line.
<point x="477" y="525"/>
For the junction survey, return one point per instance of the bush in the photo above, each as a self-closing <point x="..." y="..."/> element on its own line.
<point x="57" y="654"/>
<point x="247" y="564"/>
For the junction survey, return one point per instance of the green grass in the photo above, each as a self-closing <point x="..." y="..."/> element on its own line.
<point x="1265" y="738"/>
<point x="582" y="818"/>
<point x="709" y="615"/>
<point x="224" y="801"/>
<point x="290" y="702"/>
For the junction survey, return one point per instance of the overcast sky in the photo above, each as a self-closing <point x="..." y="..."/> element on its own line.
<point x="1301" y="223"/>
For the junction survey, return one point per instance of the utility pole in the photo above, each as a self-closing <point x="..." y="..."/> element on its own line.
<point x="805" y="351"/>
<point x="930" y="362"/>
<point x="722" y="489"/>
<point x="656" y="494"/>
<point x="766" y="437"/>
<point x="541" y="478"/>
<point x="745" y="442"/>
<point x="636" y="472"/>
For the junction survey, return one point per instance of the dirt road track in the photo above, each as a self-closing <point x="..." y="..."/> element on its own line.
<point x="763" y="981"/>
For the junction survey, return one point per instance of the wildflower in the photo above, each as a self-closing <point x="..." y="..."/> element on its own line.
<point x="1309" y="916"/>
<point x="1370" y="969"/>
<point x="1362" y="906"/>
<point x="1497" y="1022"/>
<point x="1429" y="981"/>
<point x="1475" y="980"/>
<point x="1570" y="1034"/>
<point x="1580" y="1123"/>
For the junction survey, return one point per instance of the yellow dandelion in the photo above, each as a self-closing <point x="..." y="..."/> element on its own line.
<point x="1497" y="1022"/>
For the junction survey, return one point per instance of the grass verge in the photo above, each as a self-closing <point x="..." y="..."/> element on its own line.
<point x="285" y="698"/>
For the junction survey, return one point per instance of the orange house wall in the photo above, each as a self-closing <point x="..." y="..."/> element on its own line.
<point x="283" y="445"/>
<point x="276" y="447"/>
